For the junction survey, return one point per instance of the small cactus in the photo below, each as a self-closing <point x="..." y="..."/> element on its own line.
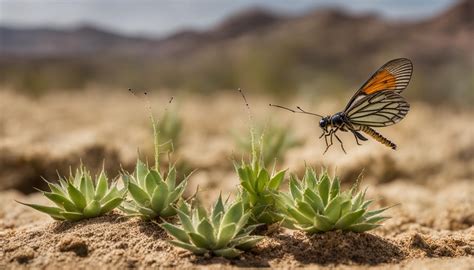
<point x="222" y="232"/>
<point x="318" y="205"/>
<point x="79" y="197"/>
<point x="152" y="194"/>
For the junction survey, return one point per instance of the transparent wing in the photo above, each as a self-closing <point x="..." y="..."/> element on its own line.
<point x="381" y="109"/>
<point x="394" y="76"/>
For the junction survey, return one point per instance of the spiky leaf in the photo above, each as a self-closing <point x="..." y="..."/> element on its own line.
<point x="247" y="242"/>
<point x="199" y="240"/>
<point x="206" y="230"/>
<point x="138" y="194"/>
<point x="159" y="197"/>
<point x="141" y="172"/>
<point x="190" y="247"/>
<point x="92" y="209"/>
<point x="102" y="186"/>
<point x="74" y="216"/>
<point x="323" y="188"/>
<point x="225" y="235"/>
<point x="171" y="178"/>
<point x="233" y="215"/>
<point x="227" y="252"/>
<point x="76" y="196"/>
<point x="276" y="180"/>
<point x="54" y="212"/>
<point x="348" y="219"/>
<point x="61" y="201"/>
<point x="110" y="205"/>
<point x="151" y="182"/>
<point x="175" y="231"/>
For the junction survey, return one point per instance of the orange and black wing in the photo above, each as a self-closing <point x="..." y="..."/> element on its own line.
<point x="393" y="76"/>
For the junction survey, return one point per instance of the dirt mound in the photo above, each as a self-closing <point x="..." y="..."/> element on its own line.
<point x="32" y="239"/>
<point x="331" y="248"/>
<point x="116" y="241"/>
<point x="111" y="240"/>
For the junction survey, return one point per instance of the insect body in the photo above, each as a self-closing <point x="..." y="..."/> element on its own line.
<point x="377" y="103"/>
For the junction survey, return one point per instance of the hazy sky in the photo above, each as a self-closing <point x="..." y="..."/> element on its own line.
<point x="162" y="17"/>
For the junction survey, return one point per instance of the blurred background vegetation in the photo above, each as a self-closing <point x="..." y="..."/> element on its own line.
<point x="66" y="66"/>
<point x="320" y="52"/>
<point x="271" y="141"/>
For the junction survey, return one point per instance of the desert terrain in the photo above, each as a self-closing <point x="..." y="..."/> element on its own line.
<point x="429" y="179"/>
<point x="64" y="101"/>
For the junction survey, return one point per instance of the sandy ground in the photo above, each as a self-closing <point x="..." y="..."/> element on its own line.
<point x="431" y="177"/>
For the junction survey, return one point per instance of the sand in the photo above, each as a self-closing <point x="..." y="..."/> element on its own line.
<point x="116" y="241"/>
<point x="430" y="177"/>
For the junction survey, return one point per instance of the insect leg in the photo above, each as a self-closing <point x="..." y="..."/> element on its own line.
<point x="326" y="139"/>
<point x="322" y="134"/>
<point x="356" y="134"/>
<point x="342" y="145"/>
<point x="331" y="132"/>
<point x="327" y="148"/>
<point x="325" y="135"/>
<point x="357" y="139"/>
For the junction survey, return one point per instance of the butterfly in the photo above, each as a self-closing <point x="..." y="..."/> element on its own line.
<point x="377" y="103"/>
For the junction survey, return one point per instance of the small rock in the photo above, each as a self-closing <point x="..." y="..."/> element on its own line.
<point x="468" y="250"/>
<point x="131" y="262"/>
<point x="74" y="244"/>
<point x="418" y="242"/>
<point x="23" y="255"/>
<point x="149" y="260"/>
<point x="121" y="245"/>
<point x="445" y="251"/>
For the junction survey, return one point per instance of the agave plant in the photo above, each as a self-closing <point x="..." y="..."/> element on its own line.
<point x="152" y="194"/>
<point x="259" y="190"/>
<point x="259" y="187"/>
<point x="222" y="232"/>
<point x="79" y="197"/>
<point x="318" y="205"/>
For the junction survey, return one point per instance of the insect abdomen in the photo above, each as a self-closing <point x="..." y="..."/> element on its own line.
<point x="378" y="137"/>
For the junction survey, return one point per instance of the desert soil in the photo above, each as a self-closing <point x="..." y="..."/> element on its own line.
<point x="430" y="178"/>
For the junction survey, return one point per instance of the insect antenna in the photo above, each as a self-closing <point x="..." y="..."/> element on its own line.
<point x="249" y="112"/>
<point x="300" y="110"/>
<point x="156" y="131"/>
<point x="255" y="154"/>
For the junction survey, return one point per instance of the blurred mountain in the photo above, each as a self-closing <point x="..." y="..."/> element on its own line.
<point x="88" y="39"/>
<point x="53" y="42"/>
<point x="327" y="49"/>
<point x="458" y="17"/>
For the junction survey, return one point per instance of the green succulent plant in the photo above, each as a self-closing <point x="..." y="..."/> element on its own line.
<point x="151" y="194"/>
<point x="317" y="205"/>
<point x="259" y="190"/>
<point x="222" y="232"/>
<point x="79" y="196"/>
